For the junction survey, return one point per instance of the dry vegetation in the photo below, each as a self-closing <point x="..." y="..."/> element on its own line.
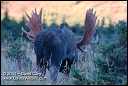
<point x="104" y="61"/>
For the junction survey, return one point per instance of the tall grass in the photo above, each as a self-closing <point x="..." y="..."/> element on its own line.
<point x="104" y="61"/>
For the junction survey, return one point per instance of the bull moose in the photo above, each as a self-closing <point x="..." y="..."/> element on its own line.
<point x="57" y="49"/>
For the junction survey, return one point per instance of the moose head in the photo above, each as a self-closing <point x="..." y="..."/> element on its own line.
<point x="57" y="49"/>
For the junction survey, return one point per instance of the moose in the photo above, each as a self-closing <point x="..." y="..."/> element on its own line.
<point x="57" y="49"/>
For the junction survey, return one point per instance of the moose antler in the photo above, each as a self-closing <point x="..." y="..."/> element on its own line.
<point x="90" y="23"/>
<point x="34" y="24"/>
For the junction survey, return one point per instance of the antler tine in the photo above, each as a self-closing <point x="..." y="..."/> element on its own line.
<point x="35" y="11"/>
<point x="40" y="14"/>
<point x="27" y="15"/>
<point x="94" y="13"/>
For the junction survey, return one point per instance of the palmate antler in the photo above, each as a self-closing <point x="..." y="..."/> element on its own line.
<point x="34" y="23"/>
<point x="89" y="26"/>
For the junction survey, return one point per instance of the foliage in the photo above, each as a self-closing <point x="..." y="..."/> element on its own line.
<point x="110" y="51"/>
<point x="112" y="62"/>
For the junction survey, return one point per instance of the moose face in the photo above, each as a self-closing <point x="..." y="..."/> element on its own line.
<point x="57" y="48"/>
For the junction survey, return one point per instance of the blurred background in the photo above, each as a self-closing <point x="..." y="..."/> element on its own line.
<point x="105" y="60"/>
<point x="73" y="11"/>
